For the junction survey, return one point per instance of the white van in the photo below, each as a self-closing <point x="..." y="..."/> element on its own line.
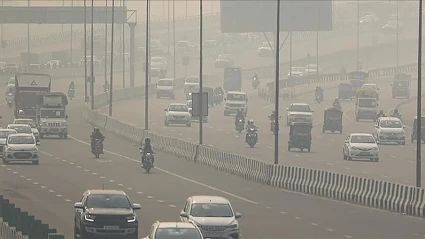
<point x="235" y="100"/>
<point x="165" y="88"/>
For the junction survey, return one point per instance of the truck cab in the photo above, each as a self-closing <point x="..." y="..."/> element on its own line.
<point x="51" y="115"/>
<point x="366" y="108"/>
<point x="401" y="86"/>
<point x="235" y="100"/>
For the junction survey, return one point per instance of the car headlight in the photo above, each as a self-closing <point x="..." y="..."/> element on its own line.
<point x="89" y="218"/>
<point x="131" y="219"/>
<point x="375" y="148"/>
<point x="63" y="124"/>
<point x="233" y="226"/>
<point x="34" y="148"/>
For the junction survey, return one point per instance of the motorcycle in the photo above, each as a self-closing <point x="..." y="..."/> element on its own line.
<point x="319" y="97"/>
<point x="252" y="137"/>
<point x="97" y="147"/>
<point x="240" y="124"/>
<point x="273" y="125"/>
<point x="9" y="103"/>
<point x="255" y="82"/>
<point x="148" y="164"/>
<point x="71" y="93"/>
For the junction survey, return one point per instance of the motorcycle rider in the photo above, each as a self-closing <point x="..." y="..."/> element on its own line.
<point x="396" y="113"/>
<point x="336" y="103"/>
<point x="97" y="135"/>
<point x="71" y="86"/>
<point x="273" y="115"/>
<point x="380" y="114"/>
<point x="239" y="115"/>
<point x="146" y="148"/>
<point x="255" y="77"/>
<point x="249" y="126"/>
<point x="319" y="90"/>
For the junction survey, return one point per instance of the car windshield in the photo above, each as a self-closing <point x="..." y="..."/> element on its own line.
<point x="357" y="83"/>
<point x="108" y="201"/>
<point x="4" y="134"/>
<point x="189" y="104"/>
<point x="192" y="79"/>
<point x="182" y="44"/>
<point x="22" y="129"/>
<point x="53" y="114"/>
<point x="400" y="84"/>
<point x="165" y="83"/>
<point x="179" y="108"/>
<point x="298" y="69"/>
<point x="300" y="108"/>
<point x="211" y="210"/>
<point x="372" y="87"/>
<point x="177" y="233"/>
<point x="394" y="124"/>
<point x="21" y="140"/>
<point x="156" y="59"/>
<point x="367" y="103"/>
<point x="224" y="56"/>
<point x="392" y="22"/>
<point x="266" y="44"/>
<point x="236" y="97"/>
<point x="311" y="66"/>
<point x="27" y="122"/>
<point x="362" y="139"/>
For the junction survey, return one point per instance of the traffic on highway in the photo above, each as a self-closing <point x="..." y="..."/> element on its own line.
<point x="340" y="117"/>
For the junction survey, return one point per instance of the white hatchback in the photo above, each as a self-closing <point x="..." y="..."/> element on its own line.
<point x="299" y="112"/>
<point x="360" y="146"/>
<point x="177" y="113"/>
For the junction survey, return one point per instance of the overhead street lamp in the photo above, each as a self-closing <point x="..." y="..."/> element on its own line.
<point x="85" y="52"/>
<point x="277" y="86"/>
<point x="147" y="65"/>
<point x="111" y="81"/>
<point x="106" y="47"/>
<point x="91" y="56"/>
<point x="419" y="105"/>
<point x="358" y="36"/>
<point x="201" y="127"/>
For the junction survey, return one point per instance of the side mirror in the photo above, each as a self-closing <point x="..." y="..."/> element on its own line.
<point x="287" y="109"/>
<point x="183" y="214"/>
<point x="66" y="116"/>
<point x="311" y="110"/>
<point x="165" y="110"/>
<point x="136" y="206"/>
<point x="78" y="205"/>
<point x="346" y="141"/>
<point x="225" y="99"/>
<point x="238" y="215"/>
<point x="246" y="100"/>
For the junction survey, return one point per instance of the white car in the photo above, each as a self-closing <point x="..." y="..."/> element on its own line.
<point x="191" y="82"/>
<point x="33" y="126"/>
<point x="195" y="118"/>
<point x="177" y="113"/>
<point x="21" y="148"/>
<point x="4" y="133"/>
<point x="213" y="215"/>
<point x="360" y="146"/>
<point x="265" y="49"/>
<point x="299" y="112"/>
<point x="311" y="69"/>
<point x="21" y="128"/>
<point x="223" y="61"/>
<point x="297" y="71"/>
<point x="389" y="129"/>
<point x="159" y="61"/>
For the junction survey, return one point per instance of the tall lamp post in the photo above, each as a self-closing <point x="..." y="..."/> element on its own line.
<point x="276" y="105"/>
<point x="397" y="32"/>
<point x="111" y="85"/>
<point x="358" y="36"/>
<point x="419" y="104"/>
<point x="201" y="127"/>
<point x="106" y="46"/>
<point x="85" y="52"/>
<point x="91" y="57"/>
<point x="147" y="66"/>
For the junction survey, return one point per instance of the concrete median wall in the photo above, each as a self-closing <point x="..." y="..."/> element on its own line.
<point x="363" y="191"/>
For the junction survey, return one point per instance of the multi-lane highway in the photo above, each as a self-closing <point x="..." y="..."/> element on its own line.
<point x="67" y="169"/>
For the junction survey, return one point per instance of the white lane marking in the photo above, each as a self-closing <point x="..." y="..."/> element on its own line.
<point x="28" y="179"/>
<point x="283" y="213"/>
<point x="129" y="188"/>
<point x="298" y="218"/>
<point x="393" y="157"/>
<point x="59" y="195"/>
<point x="150" y="197"/>
<point x="45" y="153"/>
<point x="139" y="192"/>
<point x="347" y="236"/>
<point x="86" y="170"/>
<point x="94" y="173"/>
<point x="269" y="207"/>
<point x="173" y="206"/>
<point x="120" y="184"/>
<point x="172" y="174"/>
<point x="160" y="201"/>
<point x="314" y="224"/>
<point x="68" y="200"/>
<point x="51" y="191"/>
<point x="331" y="230"/>
<point x="329" y="164"/>
<point x="347" y="168"/>
<point x="22" y="176"/>
<point x="43" y="187"/>
<point x="35" y="183"/>
<point x="297" y="155"/>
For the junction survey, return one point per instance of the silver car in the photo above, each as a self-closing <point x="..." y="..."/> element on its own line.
<point x="213" y="215"/>
<point x="4" y="133"/>
<point x="175" y="230"/>
<point x="21" y="148"/>
<point x="33" y="126"/>
<point x="177" y="113"/>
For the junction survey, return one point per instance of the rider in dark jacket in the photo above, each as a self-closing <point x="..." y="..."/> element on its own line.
<point x="380" y="114"/>
<point x="97" y="135"/>
<point x="146" y="148"/>
<point x="239" y="115"/>
<point x="71" y="86"/>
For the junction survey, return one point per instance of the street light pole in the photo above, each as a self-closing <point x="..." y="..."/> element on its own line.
<point x="1" y="30"/>
<point x="358" y="35"/>
<point x="174" y="40"/>
<point x="147" y="66"/>
<point x="91" y="56"/>
<point x="168" y="28"/>
<point x="106" y="46"/>
<point x="29" y="43"/>
<point x="123" y="50"/>
<point x="111" y="81"/>
<point x="277" y="87"/>
<point x="201" y="127"/>
<point x="419" y="105"/>
<point x="85" y="52"/>
<point x="397" y="36"/>
<point x="72" y="31"/>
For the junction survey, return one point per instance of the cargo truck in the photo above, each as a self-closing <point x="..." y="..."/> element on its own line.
<point x="28" y="86"/>
<point x="51" y="114"/>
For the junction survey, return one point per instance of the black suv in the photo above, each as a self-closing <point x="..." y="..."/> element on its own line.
<point x="105" y="213"/>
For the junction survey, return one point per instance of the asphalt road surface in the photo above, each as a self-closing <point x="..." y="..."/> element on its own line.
<point x="67" y="169"/>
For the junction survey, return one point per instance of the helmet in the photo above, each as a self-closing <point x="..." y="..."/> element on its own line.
<point x="240" y="110"/>
<point x="336" y="100"/>
<point x="72" y="82"/>
<point x="147" y="141"/>
<point x="381" y="111"/>
<point x="96" y="130"/>
<point x="274" y="111"/>
<point x="396" y="111"/>
<point x="250" y="121"/>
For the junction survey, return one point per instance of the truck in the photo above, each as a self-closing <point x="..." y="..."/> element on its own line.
<point x="232" y="79"/>
<point x="51" y="114"/>
<point x="28" y="86"/>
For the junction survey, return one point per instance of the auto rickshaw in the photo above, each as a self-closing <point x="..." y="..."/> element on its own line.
<point x="300" y="136"/>
<point x="332" y="120"/>
<point x="210" y="91"/>
<point x="414" y="129"/>
<point x="401" y="86"/>
<point x="345" y="91"/>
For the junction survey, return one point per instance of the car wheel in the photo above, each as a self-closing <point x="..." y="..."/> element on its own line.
<point x="403" y="143"/>
<point x="377" y="160"/>
<point x="188" y="125"/>
<point x="343" y="155"/>
<point x="5" y="161"/>
<point x="76" y="233"/>
<point x="36" y="162"/>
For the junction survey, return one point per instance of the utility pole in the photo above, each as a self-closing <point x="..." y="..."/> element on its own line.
<point x="147" y="66"/>
<point x="277" y="86"/>
<point x="201" y="127"/>
<point x="111" y="85"/>
<point x="91" y="56"/>
<point x="419" y="105"/>
<point x="85" y="53"/>
<point x="106" y="47"/>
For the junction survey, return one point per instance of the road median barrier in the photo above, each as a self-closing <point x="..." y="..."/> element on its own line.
<point x="18" y="224"/>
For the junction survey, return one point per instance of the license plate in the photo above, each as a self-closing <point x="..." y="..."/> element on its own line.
<point x="213" y="235"/>
<point x="111" y="227"/>
<point x="53" y="129"/>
